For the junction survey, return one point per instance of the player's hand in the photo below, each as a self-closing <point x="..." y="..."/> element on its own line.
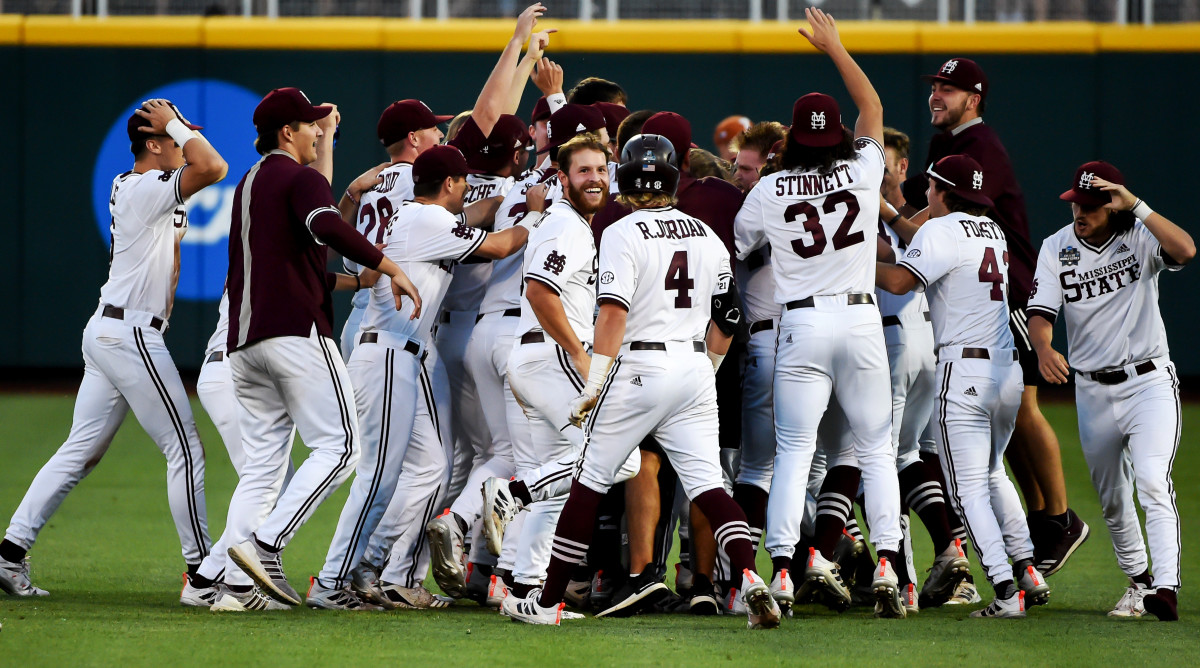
<point x="824" y="33"/>
<point x="583" y="404"/>
<point x="331" y="120"/>
<point x="1122" y="199"/>
<point x="159" y="112"/>
<point x="535" y="198"/>
<point x="367" y="180"/>
<point x="548" y="77"/>
<point x="401" y="286"/>
<point x="1053" y="366"/>
<point x="538" y="44"/>
<point x="886" y="210"/>
<point x="527" y="20"/>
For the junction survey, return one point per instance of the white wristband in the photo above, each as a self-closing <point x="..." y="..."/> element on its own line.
<point x="598" y="372"/>
<point x="716" y="360"/>
<point x="555" y="102"/>
<point x="179" y="132"/>
<point x="531" y="220"/>
<point x="1142" y="210"/>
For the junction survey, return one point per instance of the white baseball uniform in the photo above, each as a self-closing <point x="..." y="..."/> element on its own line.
<point x="664" y="267"/>
<point x="830" y="337"/>
<point x="560" y="255"/>
<point x="375" y="207"/>
<point x="387" y="374"/>
<point x="961" y="263"/>
<point x="127" y="366"/>
<point x="756" y="286"/>
<point x="1126" y="388"/>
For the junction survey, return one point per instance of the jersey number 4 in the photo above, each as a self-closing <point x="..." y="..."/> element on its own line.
<point x="843" y="238"/>
<point x="679" y="280"/>
<point x="989" y="272"/>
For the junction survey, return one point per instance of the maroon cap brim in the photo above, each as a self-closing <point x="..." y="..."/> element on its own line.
<point x="443" y="119"/>
<point x="316" y="114"/>
<point x="1084" y="199"/>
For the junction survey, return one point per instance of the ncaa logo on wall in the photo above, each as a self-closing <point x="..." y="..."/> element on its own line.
<point x="224" y="109"/>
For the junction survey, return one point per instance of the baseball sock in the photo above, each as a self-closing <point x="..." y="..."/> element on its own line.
<point x="1143" y="579"/>
<point x="834" y="505"/>
<point x="605" y="552"/>
<point x="571" y="539"/>
<point x="1004" y="588"/>
<point x="521" y="491"/>
<point x="852" y="528"/>
<point x="934" y="464"/>
<point x="754" y="503"/>
<point x="729" y="527"/>
<point x="921" y="491"/>
<point x="10" y="551"/>
<point x="1163" y="604"/>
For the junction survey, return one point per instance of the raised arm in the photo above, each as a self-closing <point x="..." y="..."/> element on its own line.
<point x="824" y="36"/>
<point x="1175" y="241"/>
<point x="496" y="96"/>
<point x="204" y="165"/>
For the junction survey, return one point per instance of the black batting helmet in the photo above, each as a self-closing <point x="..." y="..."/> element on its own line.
<point x="648" y="165"/>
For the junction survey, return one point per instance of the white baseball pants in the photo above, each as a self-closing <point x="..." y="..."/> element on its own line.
<point x="1130" y="433"/>
<point x="469" y="438"/>
<point x="126" y="365"/>
<point x="976" y="412"/>
<point x="349" y="338"/>
<point x="911" y="360"/>
<point x="833" y="349"/>
<point x="758" y="410"/>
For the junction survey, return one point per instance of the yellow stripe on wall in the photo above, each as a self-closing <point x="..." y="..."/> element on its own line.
<point x="467" y="35"/>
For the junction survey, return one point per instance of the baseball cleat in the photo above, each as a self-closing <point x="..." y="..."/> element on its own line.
<point x="576" y="594"/>
<point x="255" y="599"/>
<point x="497" y="592"/>
<point x="636" y="595"/>
<point x="1163" y="604"/>
<point x="825" y="576"/>
<point x="321" y="597"/>
<point x="603" y="588"/>
<point x="1131" y="604"/>
<point x="703" y="600"/>
<point x="414" y="598"/>
<point x="762" y="612"/>
<point x="478" y="580"/>
<point x="1011" y="607"/>
<point x="684" y="580"/>
<point x="912" y="604"/>
<point x="446" y="554"/>
<point x="782" y="589"/>
<point x="529" y="611"/>
<point x="198" y="597"/>
<point x="14" y="579"/>
<point x="1037" y="592"/>
<point x="265" y="568"/>
<point x="499" y="508"/>
<point x="888" y="601"/>
<point x="364" y="582"/>
<point x="847" y="555"/>
<point x="733" y="603"/>
<point x="1053" y="556"/>
<point x="965" y="594"/>
<point x="949" y="569"/>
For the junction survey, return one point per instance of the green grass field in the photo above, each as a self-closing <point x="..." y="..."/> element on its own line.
<point x="111" y="561"/>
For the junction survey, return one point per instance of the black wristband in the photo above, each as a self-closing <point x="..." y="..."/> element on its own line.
<point x="357" y="283"/>
<point x="892" y="222"/>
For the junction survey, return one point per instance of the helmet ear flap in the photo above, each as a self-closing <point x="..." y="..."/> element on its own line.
<point x="648" y="165"/>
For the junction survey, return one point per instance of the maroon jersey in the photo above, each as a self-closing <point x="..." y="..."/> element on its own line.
<point x="283" y="214"/>
<point x="982" y="143"/>
<point x="710" y="199"/>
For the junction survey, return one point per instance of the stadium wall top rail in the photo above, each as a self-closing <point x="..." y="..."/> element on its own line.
<point x="473" y="35"/>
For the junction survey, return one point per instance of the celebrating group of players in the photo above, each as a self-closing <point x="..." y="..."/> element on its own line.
<point x="543" y="351"/>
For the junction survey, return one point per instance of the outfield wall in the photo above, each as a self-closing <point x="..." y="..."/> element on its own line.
<point x="1061" y="94"/>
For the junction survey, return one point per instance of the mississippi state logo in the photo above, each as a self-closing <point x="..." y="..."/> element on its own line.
<point x="818" y="120"/>
<point x="1069" y="256"/>
<point x="949" y="66"/>
<point x="1085" y="180"/>
<point x="977" y="180"/>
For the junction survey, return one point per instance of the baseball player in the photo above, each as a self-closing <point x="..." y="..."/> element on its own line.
<point x="446" y="532"/>
<point x="285" y="366"/>
<point x="830" y="337"/>
<point x="427" y="238"/>
<point x="959" y="258"/>
<point x="1101" y="272"/>
<point x="126" y="362"/>
<point x="958" y="96"/>
<point x="664" y="277"/>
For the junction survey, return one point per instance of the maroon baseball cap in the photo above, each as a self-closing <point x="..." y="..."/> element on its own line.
<point x="963" y="176"/>
<point x="508" y="135"/>
<point x="541" y="110"/>
<point x="571" y="120"/>
<point x="403" y="117"/>
<point x="816" y="120"/>
<point x="675" y="128"/>
<point x="961" y="73"/>
<point x="135" y="121"/>
<point x="613" y="115"/>
<point x="438" y="163"/>
<point x="287" y="105"/>
<point x="1084" y="193"/>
